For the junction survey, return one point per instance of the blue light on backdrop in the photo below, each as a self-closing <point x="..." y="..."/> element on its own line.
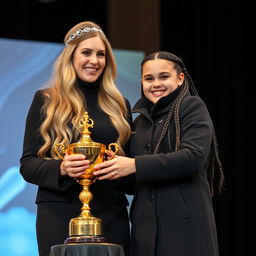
<point x="25" y="66"/>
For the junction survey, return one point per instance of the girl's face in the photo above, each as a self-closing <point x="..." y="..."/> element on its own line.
<point x="159" y="78"/>
<point x="89" y="59"/>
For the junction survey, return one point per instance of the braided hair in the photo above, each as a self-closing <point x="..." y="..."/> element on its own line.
<point x="214" y="166"/>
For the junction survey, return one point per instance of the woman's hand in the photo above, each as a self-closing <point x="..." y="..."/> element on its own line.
<point x="115" y="168"/>
<point x="74" y="165"/>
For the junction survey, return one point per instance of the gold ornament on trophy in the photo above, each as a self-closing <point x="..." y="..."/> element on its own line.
<point x="86" y="228"/>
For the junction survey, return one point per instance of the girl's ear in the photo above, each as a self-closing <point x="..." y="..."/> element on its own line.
<point x="181" y="79"/>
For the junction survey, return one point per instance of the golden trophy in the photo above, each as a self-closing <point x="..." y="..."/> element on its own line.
<point x="86" y="228"/>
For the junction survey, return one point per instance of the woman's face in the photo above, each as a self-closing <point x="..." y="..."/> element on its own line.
<point x="159" y="78"/>
<point x="89" y="59"/>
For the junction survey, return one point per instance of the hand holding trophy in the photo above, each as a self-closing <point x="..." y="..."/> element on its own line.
<point x="86" y="228"/>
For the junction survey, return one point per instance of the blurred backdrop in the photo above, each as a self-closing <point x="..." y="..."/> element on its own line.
<point x="214" y="41"/>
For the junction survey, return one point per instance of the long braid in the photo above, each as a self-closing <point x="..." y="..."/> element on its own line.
<point x="177" y="115"/>
<point x="215" y="160"/>
<point x="174" y="112"/>
<point x="192" y="86"/>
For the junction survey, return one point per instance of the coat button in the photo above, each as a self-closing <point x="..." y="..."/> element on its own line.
<point x="147" y="147"/>
<point x="160" y="121"/>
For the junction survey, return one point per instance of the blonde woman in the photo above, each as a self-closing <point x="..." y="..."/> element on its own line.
<point x="83" y="80"/>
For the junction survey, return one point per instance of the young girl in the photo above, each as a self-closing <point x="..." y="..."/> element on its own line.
<point x="175" y="158"/>
<point x="83" y="81"/>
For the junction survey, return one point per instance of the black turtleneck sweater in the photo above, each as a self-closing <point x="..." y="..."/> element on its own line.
<point x="103" y="130"/>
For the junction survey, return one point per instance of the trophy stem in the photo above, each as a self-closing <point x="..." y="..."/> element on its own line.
<point x="85" y="197"/>
<point x="85" y="228"/>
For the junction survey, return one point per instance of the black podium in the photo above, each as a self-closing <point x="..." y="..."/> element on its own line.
<point x="88" y="249"/>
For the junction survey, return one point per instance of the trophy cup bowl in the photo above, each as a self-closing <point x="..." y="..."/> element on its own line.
<point x="86" y="228"/>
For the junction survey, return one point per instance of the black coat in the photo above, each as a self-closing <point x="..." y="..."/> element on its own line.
<point x="58" y="197"/>
<point x="172" y="210"/>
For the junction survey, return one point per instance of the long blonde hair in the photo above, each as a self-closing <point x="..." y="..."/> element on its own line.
<point x="64" y="103"/>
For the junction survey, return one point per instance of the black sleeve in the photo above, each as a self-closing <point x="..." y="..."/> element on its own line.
<point x="35" y="170"/>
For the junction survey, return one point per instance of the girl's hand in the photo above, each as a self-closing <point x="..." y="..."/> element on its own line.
<point x="74" y="165"/>
<point x="115" y="168"/>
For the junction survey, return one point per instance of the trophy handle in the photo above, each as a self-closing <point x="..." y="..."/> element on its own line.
<point x="59" y="148"/>
<point x="115" y="145"/>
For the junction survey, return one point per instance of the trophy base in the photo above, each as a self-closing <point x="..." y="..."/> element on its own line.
<point x="85" y="230"/>
<point x="85" y="239"/>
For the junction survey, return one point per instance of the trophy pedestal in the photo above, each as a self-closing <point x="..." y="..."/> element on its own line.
<point x="85" y="230"/>
<point x="85" y="239"/>
<point x="86" y="249"/>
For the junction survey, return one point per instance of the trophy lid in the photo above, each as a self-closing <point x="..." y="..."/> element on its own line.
<point x="84" y="124"/>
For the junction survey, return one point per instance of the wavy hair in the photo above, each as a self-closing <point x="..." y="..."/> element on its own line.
<point x="65" y="104"/>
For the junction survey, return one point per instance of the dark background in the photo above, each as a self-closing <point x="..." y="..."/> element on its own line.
<point x="214" y="38"/>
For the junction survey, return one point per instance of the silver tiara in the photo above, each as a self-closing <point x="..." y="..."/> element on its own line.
<point x="80" y="32"/>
